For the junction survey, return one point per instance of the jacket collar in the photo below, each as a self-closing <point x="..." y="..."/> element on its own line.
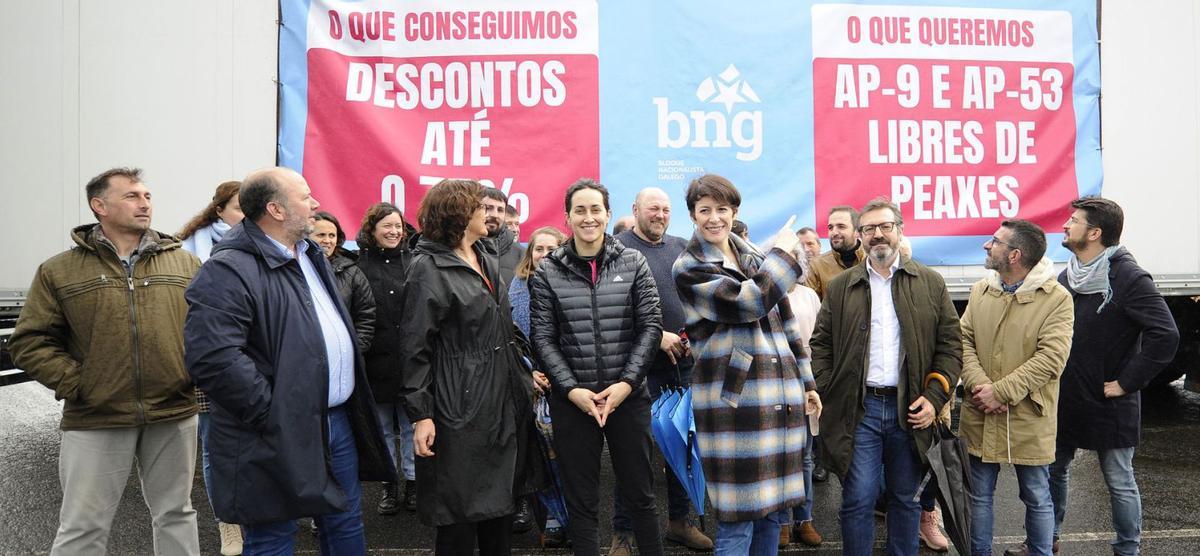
<point x="1040" y="277"/>
<point x="859" y="272"/>
<point x="748" y="255"/>
<point x="87" y="236"/>
<point x="250" y="238"/>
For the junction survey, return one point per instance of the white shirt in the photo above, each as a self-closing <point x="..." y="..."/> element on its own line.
<point x="883" y="367"/>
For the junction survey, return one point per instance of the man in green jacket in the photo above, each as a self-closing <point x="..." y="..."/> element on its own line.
<point x="886" y="352"/>
<point x="103" y="327"/>
<point x="1016" y="338"/>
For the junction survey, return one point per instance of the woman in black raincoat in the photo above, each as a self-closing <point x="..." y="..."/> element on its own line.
<point x="457" y="352"/>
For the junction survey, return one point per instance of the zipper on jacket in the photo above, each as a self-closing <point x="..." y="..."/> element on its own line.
<point x="137" y="355"/>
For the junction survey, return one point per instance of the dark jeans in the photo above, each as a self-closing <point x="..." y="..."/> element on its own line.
<point x="340" y="533"/>
<point x="678" y="503"/>
<point x="494" y="537"/>
<point x="579" y="442"/>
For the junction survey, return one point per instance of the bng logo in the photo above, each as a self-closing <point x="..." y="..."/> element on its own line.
<point x="715" y="129"/>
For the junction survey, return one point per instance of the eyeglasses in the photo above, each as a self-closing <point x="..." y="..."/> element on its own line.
<point x="869" y="229"/>
<point x="994" y="241"/>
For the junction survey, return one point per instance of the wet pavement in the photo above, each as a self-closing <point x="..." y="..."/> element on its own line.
<point x="1167" y="464"/>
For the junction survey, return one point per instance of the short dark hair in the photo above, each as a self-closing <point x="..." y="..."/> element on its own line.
<point x="258" y="189"/>
<point x="807" y="230"/>
<point x="1104" y="214"/>
<point x="447" y="209"/>
<point x="1029" y="238"/>
<point x="739" y="227"/>
<point x="98" y="186"/>
<point x="327" y="217"/>
<point x="371" y="218"/>
<point x="510" y="210"/>
<point x="881" y="203"/>
<point x="585" y="183"/>
<point x="711" y="185"/>
<point x="849" y="210"/>
<point x="496" y="194"/>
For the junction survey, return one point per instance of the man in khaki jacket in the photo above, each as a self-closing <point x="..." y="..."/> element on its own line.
<point x="1016" y="337"/>
<point x="845" y="249"/>
<point x="103" y="328"/>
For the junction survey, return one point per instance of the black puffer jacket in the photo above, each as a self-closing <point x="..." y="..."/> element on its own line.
<point x="385" y="270"/>
<point x="355" y="292"/>
<point x="593" y="335"/>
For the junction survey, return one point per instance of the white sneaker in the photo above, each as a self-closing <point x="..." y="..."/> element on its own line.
<point x="231" y="539"/>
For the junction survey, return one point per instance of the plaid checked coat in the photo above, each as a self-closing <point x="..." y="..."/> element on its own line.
<point x="750" y="376"/>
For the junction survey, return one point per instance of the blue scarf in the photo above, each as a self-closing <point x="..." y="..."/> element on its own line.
<point x="201" y="242"/>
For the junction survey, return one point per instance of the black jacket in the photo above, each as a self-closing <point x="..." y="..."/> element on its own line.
<point x="456" y="348"/>
<point x="253" y="343"/>
<point x="385" y="271"/>
<point x="1130" y="341"/>
<point x="356" y="294"/>
<point x="593" y="335"/>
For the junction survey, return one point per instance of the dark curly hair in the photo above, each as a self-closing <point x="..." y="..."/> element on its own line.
<point x="447" y="208"/>
<point x="375" y="213"/>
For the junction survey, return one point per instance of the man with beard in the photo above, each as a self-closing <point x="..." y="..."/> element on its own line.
<point x="494" y="203"/>
<point x="1124" y="335"/>
<point x="846" y="250"/>
<point x="293" y="425"/>
<point x="672" y="367"/>
<point x="1016" y="336"/>
<point x="884" y="367"/>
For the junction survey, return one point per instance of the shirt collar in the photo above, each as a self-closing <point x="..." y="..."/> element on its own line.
<point x="301" y="247"/>
<point x="894" y="267"/>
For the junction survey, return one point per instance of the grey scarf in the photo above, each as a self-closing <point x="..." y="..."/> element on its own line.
<point x="1092" y="277"/>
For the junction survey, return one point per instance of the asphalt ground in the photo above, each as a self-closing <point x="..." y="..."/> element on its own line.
<point x="1167" y="466"/>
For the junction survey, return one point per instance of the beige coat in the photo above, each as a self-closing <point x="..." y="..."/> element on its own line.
<point x="1018" y="343"/>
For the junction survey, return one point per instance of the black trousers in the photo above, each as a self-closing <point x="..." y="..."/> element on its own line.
<point x="494" y="537"/>
<point x="579" y="442"/>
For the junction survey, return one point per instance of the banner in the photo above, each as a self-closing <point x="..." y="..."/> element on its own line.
<point x="963" y="113"/>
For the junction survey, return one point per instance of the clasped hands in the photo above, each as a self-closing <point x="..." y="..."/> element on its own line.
<point x="600" y="404"/>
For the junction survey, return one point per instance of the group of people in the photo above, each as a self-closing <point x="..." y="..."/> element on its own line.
<point x="300" y="369"/>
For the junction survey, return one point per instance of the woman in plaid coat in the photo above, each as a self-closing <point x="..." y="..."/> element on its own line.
<point x="752" y="385"/>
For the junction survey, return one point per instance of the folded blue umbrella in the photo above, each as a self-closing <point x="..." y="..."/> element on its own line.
<point x="674" y="428"/>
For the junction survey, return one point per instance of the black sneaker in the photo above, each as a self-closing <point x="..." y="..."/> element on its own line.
<point x="410" y="496"/>
<point x="523" y="519"/>
<point x="555" y="537"/>
<point x="389" y="504"/>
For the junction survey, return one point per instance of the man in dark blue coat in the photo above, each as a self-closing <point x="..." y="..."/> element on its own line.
<point x="292" y="427"/>
<point x="1124" y="335"/>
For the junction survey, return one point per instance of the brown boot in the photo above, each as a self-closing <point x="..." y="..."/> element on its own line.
<point x="808" y="534"/>
<point x="785" y="536"/>
<point x="622" y="545"/>
<point x="683" y="532"/>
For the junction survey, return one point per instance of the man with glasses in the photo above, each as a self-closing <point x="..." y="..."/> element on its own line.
<point x="1124" y="335"/>
<point x="885" y="367"/>
<point x="1016" y="336"/>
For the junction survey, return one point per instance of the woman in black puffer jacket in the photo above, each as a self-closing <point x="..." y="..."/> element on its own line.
<point x="383" y="257"/>
<point x="352" y="284"/>
<point x="596" y="324"/>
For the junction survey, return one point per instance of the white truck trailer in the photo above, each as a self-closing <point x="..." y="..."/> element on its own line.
<point x="189" y="92"/>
